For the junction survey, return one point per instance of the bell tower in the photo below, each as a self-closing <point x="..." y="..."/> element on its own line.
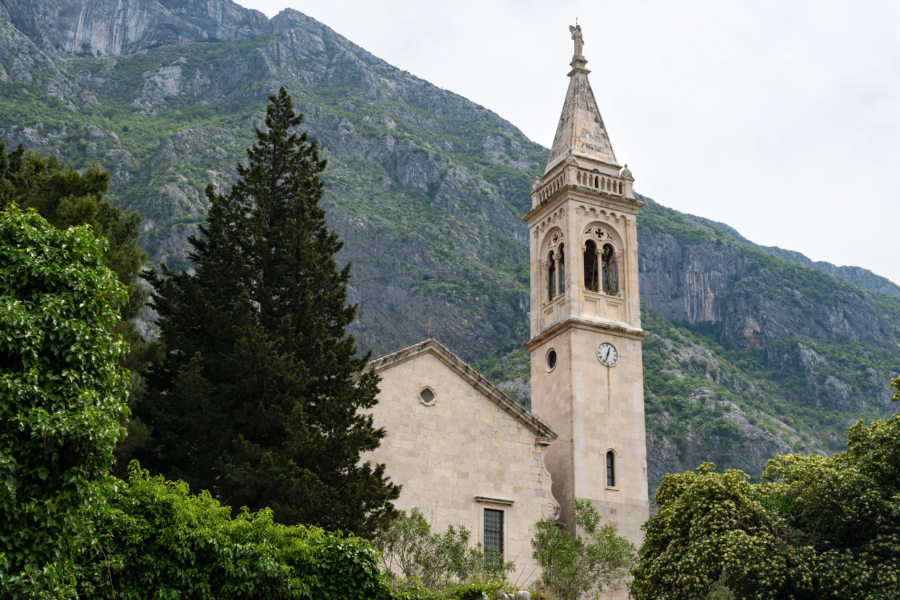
<point x="586" y="373"/>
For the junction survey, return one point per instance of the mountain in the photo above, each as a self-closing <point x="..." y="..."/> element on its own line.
<point x="427" y="187"/>
<point x="753" y="350"/>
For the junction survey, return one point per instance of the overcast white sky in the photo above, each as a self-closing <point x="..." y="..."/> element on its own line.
<point x="781" y="119"/>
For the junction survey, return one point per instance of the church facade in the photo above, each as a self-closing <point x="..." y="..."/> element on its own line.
<point x="467" y="454"/>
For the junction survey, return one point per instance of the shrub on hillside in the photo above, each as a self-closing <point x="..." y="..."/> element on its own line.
<point x="580" y="565"/>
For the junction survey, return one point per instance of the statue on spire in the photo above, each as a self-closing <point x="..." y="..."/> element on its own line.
<point x="575" y="30"/>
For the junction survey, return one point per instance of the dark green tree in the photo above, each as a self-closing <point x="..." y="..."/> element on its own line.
<point x="67" y="198"/>
<point x="62" y="398"/>
<point x="260" y="395"/>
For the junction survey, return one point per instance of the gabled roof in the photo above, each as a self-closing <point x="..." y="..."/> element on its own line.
<point x="473" y="377"/>
<point x="580" y="131"/>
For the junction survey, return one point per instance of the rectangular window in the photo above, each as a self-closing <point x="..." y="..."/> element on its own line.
<point x="493" y="537"/>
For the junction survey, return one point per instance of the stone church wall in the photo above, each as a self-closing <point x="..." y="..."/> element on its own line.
<point x="462" y="453"/>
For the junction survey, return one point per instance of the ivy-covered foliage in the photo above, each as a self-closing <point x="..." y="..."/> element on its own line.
<point x="156" y="539"/>
<point x="67" y="197"/>
<point x="62" y="397"/>
<point x="816" y="527"/>
<point x="69" y="529"/>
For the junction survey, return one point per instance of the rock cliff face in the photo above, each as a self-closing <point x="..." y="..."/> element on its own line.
<point x="166" y="95"/>
<point x="755" y="351"/>
<point x="856" y="275"/>
<point x="105" y="28"/>
<point x="752" y="350"/>
<point x="718" y="278"/>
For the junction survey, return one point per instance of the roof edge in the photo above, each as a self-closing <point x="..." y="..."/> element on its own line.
<point x="476" y="379"/>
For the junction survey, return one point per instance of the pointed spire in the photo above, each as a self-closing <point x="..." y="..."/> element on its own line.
<point x="580" y="132"/>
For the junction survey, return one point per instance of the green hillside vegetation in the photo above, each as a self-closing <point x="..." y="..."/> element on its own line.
<point x="428" y="189"/>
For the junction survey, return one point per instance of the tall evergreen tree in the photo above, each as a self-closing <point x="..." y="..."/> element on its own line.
<point x="259" y="396"/>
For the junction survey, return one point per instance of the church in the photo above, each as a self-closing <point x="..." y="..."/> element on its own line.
<point x="468" y="454"/>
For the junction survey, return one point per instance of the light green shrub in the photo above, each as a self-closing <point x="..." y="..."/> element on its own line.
<point x="159" y="541"/>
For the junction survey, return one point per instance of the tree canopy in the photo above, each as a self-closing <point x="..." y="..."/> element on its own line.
<point x="62" y="396"/>
<point x="261" y="395"/>
<point x="67" y="197"/>
<point x="814" y="528"/>
<point x="581" y="564"/>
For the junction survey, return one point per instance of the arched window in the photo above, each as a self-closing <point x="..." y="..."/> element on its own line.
<point x="591" y="268"/>
<point x="596" y="181"/>
<point x="551" y="276"/>
<point x="561" y="270"/>
<point x="610" y="469"/>
<point x="610" y="271"/>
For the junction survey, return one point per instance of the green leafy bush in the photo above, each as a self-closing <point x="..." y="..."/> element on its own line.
<point x="580" y="566"/>
<point x="156" y="539"/>
<point x="413" y="589"/>
<point x="62" y="397"/>
<point x="423" y="563"/>
<point x="816" y="527"/>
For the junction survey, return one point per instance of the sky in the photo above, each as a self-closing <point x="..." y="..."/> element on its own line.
<point x="781" y="119"/>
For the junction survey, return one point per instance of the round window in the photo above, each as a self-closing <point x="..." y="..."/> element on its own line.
<point x="426" y="395"/>
<point x="551" y="360"/>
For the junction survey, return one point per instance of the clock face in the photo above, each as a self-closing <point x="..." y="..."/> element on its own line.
<point x="607" y="354"/>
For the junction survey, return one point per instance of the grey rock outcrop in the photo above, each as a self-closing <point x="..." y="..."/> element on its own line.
<point x="103" y="28"/>
<point x="726" y="281"/>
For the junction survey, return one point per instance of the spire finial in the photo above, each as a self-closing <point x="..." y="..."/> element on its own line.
<point x="580" y="133"/>
<point x="575" y="30"/>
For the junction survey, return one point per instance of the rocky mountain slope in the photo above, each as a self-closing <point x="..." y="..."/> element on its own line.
<point x="752" y="350"/>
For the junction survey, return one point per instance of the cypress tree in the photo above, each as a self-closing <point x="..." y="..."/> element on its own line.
<point x="259" y="396"/>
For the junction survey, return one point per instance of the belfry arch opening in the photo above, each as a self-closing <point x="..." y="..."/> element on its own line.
<point x="609" y="268"/>
<point x="601" y="268"/>
<point x="591" y="267"/>
<point x="556" y="272"/>
<point x="551" y="276"/>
